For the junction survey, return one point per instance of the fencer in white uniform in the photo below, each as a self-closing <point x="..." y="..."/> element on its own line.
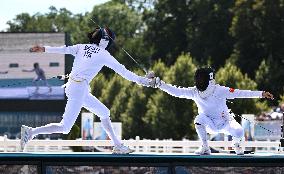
<point x="89" y="60"/>
<point x="213" y="113"/>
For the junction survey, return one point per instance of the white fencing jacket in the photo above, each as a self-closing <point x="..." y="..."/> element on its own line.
<point x="214" y="105"/>
<point x="89" y="60"/>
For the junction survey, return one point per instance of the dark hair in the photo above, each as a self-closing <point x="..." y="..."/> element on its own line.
<point x="36" y="65"/>
<point x="96" y="36"/>
<point x="202" y="78"/>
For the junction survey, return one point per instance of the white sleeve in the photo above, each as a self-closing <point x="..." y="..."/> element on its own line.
<point x="180" y="92"/>
<point x="63" y="49"/>
<point x="112" y="63"/>
<point x="231" y="93"/>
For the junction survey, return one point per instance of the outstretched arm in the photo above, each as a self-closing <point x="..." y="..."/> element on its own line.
<point x="61" y="50"/>
<point x="231" y="93"/>
<point x="37" y="49"/>
<point x="112" y="63"/>
<point x="25" y="70"/>
<point x="180" y="92"/>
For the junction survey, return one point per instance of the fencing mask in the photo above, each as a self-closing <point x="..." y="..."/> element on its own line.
<point x="202" y="78"/>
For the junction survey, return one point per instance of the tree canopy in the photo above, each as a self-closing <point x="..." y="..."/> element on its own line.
<point x="241" y="39"/>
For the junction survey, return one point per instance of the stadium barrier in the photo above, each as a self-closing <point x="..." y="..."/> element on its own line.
<point x="161" y="146"/>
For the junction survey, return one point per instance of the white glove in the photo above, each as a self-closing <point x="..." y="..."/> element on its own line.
<point x="150" y="74"/>
<point x="155" y="82"/>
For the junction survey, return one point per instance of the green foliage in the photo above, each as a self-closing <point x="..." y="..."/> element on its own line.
<point x="171" y="117"/>
<point x="231" y="76"/>
<point x="73" y="135"/>
<point x="120" y="101"/>
<point x="166" y="25"/>
<point x="110" y="91"/>
<point x="182" y="72"/>
<point x="198" y="27"/>
<point x="61" y="20"/>
<point x="127" y="25"/>
<point x="281" y="100"/>
<point x="111" y="14"/>
<point x="267" y="78"/>
<point x="242" y="39"/>
<point x="137" y="48"/>
<point x="262" y="73"/>
<point x="132" y="118"/>
<point x="98" y="84"/>
<point x="257" y="27"/>
<point x="207" y="31"/>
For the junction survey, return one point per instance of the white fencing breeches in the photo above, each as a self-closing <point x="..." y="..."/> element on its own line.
<point x="228" y="126"/>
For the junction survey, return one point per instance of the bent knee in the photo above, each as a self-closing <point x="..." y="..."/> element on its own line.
<point x="65" y="128"/>
<point x="199" y="119"/>
<point x="239" y="133"/>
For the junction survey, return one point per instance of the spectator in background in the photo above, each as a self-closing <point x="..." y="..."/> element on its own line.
<point x="264" y="117"/>
<point x="261" y="117"/>
<point x="40" y="76"/>
<point x="280" y="109"/>
<point x="277" y="113"/>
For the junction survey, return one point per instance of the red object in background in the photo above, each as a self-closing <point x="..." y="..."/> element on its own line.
<point x="232" y="90"/>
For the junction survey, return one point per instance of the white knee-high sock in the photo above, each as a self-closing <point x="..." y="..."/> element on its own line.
<point x="106" y="124"/>
<point x="202" y="134"/>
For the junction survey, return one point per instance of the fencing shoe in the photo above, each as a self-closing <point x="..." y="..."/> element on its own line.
<point x="238" y="149"/>
<point x="121" y="149"/>
<point x="26" y="136"/>
<point x="204" y="150"/>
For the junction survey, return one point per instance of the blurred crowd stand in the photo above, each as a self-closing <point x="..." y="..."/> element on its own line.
<point x="275" y="114"/>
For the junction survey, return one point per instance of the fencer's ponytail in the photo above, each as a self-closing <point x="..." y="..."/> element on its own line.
<point x="95" y="36"/>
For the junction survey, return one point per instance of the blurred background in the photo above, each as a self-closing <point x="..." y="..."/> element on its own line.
<point x="241" y="39"/>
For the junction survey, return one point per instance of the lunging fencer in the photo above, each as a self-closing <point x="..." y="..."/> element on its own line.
<point x="214" y="115"/>
<point x="89" y="60"/>
<point x="40" y="76"/>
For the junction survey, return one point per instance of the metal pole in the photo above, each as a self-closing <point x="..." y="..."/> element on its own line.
<point x="282" y="132"/>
